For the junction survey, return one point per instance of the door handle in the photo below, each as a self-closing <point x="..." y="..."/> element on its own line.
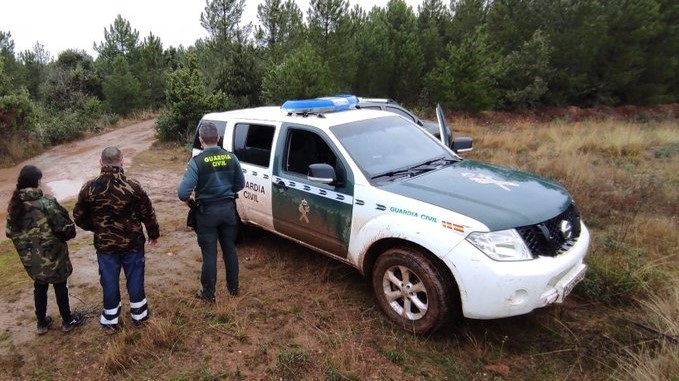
<point x="280" y="184"/>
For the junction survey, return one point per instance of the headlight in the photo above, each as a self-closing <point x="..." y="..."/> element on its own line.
<point x="503" y="245"/>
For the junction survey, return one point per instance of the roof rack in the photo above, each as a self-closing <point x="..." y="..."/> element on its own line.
<point x="377" y="100"/>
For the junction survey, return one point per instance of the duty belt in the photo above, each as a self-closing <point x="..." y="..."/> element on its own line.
<point x="214" y="202"/>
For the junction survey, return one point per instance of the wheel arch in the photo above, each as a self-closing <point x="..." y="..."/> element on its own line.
<point x="382" y="245"/>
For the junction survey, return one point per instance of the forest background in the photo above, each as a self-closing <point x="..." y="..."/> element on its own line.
<point x="469" y="55"/>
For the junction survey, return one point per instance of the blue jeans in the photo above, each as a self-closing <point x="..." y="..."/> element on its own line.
<point x="218" y="223"/>
<point x="132" y="264"/>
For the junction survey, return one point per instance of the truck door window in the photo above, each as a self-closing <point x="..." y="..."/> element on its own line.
<point x="252" y="143"/>
<point x="304" y="148"/>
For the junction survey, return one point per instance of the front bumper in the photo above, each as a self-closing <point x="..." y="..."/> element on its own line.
<point x="490" y="289"/>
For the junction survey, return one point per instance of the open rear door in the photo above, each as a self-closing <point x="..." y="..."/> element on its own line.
<point x="460" y="143"/>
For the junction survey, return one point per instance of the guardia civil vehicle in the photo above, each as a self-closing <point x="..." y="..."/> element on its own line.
<point x="439" y="236"/>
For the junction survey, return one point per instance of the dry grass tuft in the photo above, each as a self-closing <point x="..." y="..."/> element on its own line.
<point x="658" y="358"/>
<point x="614" y="140"/>
<point x="650" y="364"/>
<point x="117" y="356"/>
<point x="158" y="334"/>
<point x="229" y="318"/>
<point x="131" y="345"/>
<point x="292" y="362"/>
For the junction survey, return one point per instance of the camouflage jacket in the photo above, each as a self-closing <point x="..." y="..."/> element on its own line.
<point x="114" y="207"/>
<point x="40" y="237"/>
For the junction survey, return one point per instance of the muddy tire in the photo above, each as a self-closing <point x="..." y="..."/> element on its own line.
<point x="411" y="291"/>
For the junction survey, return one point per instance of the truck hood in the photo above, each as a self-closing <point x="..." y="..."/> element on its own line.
<point x="500" y="198"/>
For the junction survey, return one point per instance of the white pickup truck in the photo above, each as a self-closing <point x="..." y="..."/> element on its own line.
<point x="439" y="236"/>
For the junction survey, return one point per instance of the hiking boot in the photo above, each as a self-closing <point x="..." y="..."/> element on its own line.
<point x="139" y="323"/>
<point x="110" y="329"/>
<point x="45" y="325"/>
<point x="76" y="320"/>
<point x="201" y="295"/>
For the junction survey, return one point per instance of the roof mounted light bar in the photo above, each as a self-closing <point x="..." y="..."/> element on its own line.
<point x="321" y="105"/>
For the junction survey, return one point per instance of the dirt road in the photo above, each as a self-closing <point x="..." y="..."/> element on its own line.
<point x="65" y="168"/>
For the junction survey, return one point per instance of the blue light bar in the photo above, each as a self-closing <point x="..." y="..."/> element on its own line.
<point x="320" y="105"/>
<point x="352" y="99"/>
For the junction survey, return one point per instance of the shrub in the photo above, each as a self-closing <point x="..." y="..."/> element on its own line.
<point x="187" y="100"/>
<point x="60" y="127"/>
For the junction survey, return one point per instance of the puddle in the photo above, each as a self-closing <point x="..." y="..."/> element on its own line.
<point x="63" y="189"/>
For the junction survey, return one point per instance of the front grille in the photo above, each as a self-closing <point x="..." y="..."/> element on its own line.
<point x="547" y="238"/>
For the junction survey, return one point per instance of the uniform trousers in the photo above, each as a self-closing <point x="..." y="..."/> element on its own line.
<point x="218" y="223"/>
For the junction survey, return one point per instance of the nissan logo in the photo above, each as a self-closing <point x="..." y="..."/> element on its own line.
<point x="566" y="230"/>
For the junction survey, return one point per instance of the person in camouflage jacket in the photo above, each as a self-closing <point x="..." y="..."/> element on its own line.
<point x="116" y="208"/>
<point x="39" y="228"/>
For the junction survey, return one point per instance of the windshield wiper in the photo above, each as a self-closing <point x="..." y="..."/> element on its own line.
<point x="434" y="163"/>
<point x="416" y="169"/>
<point x="405" y="172"/>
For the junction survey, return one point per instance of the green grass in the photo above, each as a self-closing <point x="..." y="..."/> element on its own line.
<point x="12" y="273"/>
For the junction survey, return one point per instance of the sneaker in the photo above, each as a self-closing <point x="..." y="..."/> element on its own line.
<point x="45" y="325"/>
<point x="201" y="295"/>
<point x="234" y="292"/>
<point x="76" y="320"/>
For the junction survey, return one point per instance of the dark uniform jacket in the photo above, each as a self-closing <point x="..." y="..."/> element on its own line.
<point x="114" y="207"/>
<point x="40" y="237"/>
<point x="215" y="174"/>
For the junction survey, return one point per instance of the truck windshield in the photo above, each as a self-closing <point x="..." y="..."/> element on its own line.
<point x="387" y="144"/>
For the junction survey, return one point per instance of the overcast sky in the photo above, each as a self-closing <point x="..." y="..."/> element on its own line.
<point x="68" y="24"/>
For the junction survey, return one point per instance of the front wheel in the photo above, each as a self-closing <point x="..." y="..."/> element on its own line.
<point x="411" y="290"/>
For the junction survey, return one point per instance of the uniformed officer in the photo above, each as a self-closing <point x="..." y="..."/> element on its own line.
<point x="214" y="177"/>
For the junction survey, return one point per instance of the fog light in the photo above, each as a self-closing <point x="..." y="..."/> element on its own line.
<point x="519" y="297"/>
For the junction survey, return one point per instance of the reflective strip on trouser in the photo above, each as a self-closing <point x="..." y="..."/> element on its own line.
<point x="132" y="264"/>
<point x="139" y="310"/>
<point x="110" y="316"/>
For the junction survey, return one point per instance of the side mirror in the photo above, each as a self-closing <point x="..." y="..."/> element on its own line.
<point x="321" y="173"/>
<point x="462" y="144"/>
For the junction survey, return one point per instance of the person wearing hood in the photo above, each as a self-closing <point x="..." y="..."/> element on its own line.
<point x="39" y="228"/>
